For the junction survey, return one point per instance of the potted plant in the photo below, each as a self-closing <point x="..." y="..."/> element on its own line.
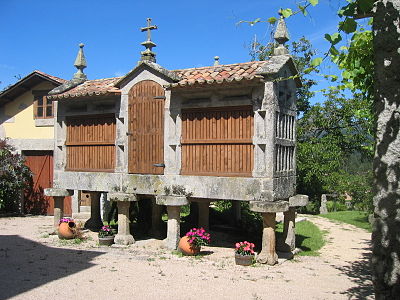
<point x="67" y="228"/>
<point x="106" y="236"/>
<point x="191" y="243"/>
<point x="244" y="253"/>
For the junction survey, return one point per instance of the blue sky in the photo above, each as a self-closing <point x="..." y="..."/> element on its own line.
<point x="45" y="34"/>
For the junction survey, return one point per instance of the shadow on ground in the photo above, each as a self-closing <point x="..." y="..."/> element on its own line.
<point x="359" y="272"/>
<point x="26" y="265"/>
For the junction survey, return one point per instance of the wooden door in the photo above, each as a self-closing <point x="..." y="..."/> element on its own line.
<point x="146" y="128"/>
<point x="35" y="202"/>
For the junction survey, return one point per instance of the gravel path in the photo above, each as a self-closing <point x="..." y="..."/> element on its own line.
<point x="34" y="265"/>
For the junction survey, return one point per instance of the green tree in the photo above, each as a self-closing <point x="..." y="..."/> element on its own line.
<point x="303" y="54"/>
<point x="328" y="135"/>
<point x="386" y="90"/>
<point x="14" y="177"/>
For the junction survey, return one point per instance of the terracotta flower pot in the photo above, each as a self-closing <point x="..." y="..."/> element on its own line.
<point x="243" y="260"/>
<point x="66" y="230"/>
<point x="186" y="248"/>
<point x="106" y="241"/>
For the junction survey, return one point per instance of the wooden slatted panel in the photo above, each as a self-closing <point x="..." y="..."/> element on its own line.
<point x="41" y="166"/>
<point x="146" y="128"/>
<point x="91" y="143"/>
<point x="217" y="141"/>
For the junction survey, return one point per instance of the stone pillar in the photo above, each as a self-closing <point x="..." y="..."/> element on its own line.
<point x="268" y="210"/>
<point x="75" y="202"/>
<point x="123" y="200"/>
<point x="204" y="214"/>
<point x="156" y="214"/>
<point x="194" y="214"/>
<point x="173" y="204"/>
<point x="323" y="209"/>
<point x="237" y="212"/>
<point x="268" y="254"/>
<point x="173" y="227"/>
<point x="58" y="209"/>
<point x="58" y="196"/>
<point x="289" y="232"/>
<point x="123" y="236"/>
<point x="288" y="242"/>
<point x="95" y="222"/>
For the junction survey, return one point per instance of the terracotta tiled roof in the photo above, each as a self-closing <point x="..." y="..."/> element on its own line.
<point x="58" y="79"/>
<point x="219" y="74"/>
<point x="29" y="81"/>
<point x="209" y="75"/>
<point x="95" y="87"/>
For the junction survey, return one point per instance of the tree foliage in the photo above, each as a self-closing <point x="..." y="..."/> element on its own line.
<point x="329" y="135"/>
<point x="14" y="177"/>
<point x="303" y="54"/>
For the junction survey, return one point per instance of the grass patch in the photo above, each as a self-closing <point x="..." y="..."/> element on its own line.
<point x="353" y="217"/>
<point x="71" y="242"/>
<point x="309" y="238"/>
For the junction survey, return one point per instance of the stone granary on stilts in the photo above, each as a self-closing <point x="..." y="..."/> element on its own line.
<point x="224" y="132"/>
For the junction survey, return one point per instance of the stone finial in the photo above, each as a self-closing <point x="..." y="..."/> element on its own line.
<point x="281" y="36"/>
<point x="216" y="60"/>
<point x="148" y="54"/>
<point x="80" y="63"/>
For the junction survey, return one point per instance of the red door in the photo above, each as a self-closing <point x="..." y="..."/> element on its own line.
<point x="41" y="165"/>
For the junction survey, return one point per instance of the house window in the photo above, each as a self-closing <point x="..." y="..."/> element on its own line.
<point x="43" y="107"/>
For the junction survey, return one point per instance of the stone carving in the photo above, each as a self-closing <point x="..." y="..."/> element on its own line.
<point x="323" y="209"/>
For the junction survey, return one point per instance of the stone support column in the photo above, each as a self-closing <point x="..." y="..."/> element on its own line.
<point x="173" y="204"/>
<point x="58" y="209"/>
<point x="268" y="254"/>
<point x="156" y="214"/>
<point x="173" y="227"/>
<point x="58" y="196"/>
<point x="237" y="212"/>
<point x="123" y="236"/>
<point x="289" y="232"/>
<point x="95" y="222"/>
<point x="75" y="202"/>
<point x="204" y="214"/>
<point x="288" y="243"/>
<point x="268" y="210"/>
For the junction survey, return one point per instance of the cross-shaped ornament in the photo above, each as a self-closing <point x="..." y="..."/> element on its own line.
<point x="148" y="28"/>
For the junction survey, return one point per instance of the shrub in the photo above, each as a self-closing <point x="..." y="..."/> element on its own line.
<point x="14" y="177"/>
<point x="335" y="206"/>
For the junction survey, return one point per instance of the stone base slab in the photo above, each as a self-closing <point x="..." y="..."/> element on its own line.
<point x="122" y="197"/>
<point x="55" y="192"/>
<point x="171" y="200"/>
<point x="269" y="207"/>
<point x="298" y="200"/>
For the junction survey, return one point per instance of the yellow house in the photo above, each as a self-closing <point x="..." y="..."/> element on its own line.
<point x="26" y="119"/>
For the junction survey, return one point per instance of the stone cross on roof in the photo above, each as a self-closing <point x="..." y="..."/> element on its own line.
<point x="281" y="36"/>
<point x="148" y="54"/>
<point x="80" y="63"/>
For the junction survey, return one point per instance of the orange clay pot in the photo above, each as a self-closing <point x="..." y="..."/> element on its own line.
<point x="65" y="230"/>
<point x="186" y="248"/>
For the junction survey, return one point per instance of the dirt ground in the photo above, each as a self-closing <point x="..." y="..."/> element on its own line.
<point x="34" y="265"/>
